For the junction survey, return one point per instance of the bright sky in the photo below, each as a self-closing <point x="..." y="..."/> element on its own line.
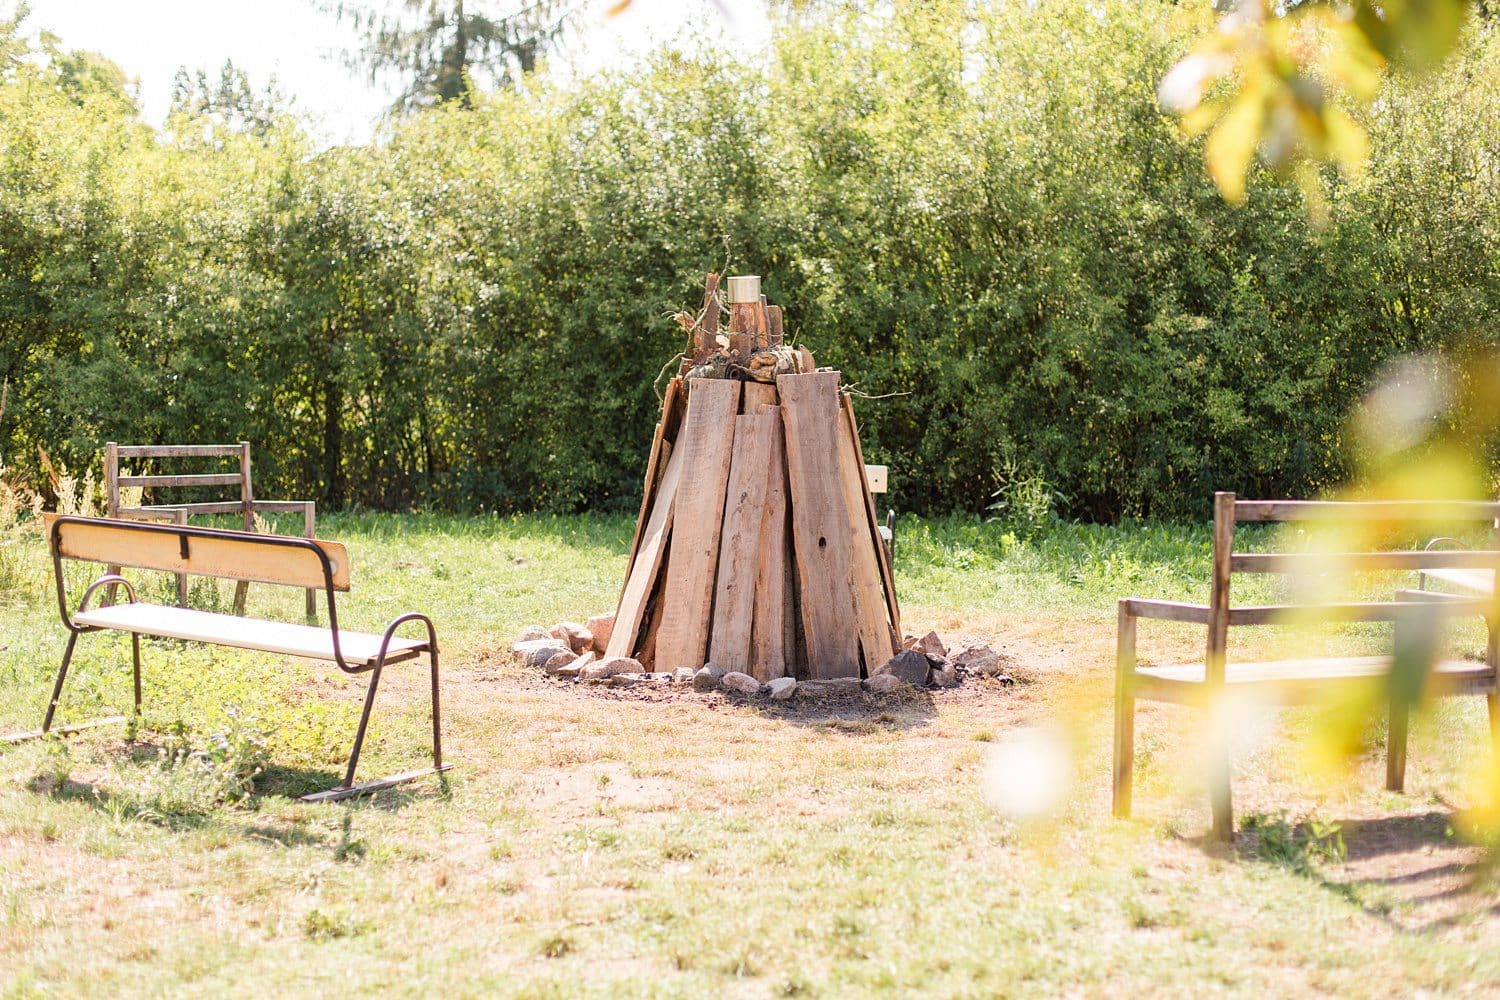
<point x="301" y="46"/>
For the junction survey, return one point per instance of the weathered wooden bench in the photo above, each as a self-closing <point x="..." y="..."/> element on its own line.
<point x="1301" y="681"/>
<point x="235" y="555"/>
<point x="246" y="503"/>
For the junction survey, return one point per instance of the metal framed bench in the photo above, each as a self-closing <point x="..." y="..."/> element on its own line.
<point x="235" y="555"/>
<point x="1300" y="681"/>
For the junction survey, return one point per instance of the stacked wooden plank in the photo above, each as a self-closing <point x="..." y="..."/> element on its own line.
<point x="756" y="547"/>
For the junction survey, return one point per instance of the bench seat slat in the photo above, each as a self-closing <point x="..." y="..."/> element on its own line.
<point x="311" y="641"/>
<point x="1478" y="581"/>
<point x="1299" y="681"/>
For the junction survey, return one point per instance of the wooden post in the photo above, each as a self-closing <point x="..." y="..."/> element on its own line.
<point x="744" y="313"/>
<point x="247" y="516"/>
<point x="1214" y="661"/>
<point x="1395" y="744"/>
<point x="309" y="516"/>
<point x="1124" y="710"/>
<point x="179" y="518"/>
<point x="111" y="505"/>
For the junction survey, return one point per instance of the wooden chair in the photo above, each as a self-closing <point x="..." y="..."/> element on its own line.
<point x="245" y="505"/>
<point x="1214" y="679"/>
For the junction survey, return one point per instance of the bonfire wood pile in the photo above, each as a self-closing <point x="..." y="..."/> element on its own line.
<point x="756" y="547"/>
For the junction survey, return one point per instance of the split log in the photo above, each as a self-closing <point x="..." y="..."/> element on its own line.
<point x="641" y="580"/>
<point x="882" y="555"/>
<point x="739" y="545"/>
<point x="820" y="522"/>
<point x="769" y="647"/>
<point x="704" y="445"/>
<point x="876" y="638"/>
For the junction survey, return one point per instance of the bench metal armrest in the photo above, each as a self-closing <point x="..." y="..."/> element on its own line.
<point x="108" y="579"/>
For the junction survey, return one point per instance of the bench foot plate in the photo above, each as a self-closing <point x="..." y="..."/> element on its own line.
<point x="36" y="734"/>
<point x="368" y="787"/>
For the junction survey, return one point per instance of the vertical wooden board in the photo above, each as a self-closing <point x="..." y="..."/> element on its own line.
<point x="646" y="649"/>
<point x="759" y="397"/>
<point x="704" y="444"/>
<point x="882" y="556"/>
<point x="820" y="522"/>
<point x="739" y="542"/>
<point x="642" y="578"/>
<point x="655" y="468"/>
<point x="769" y="656"/>
<point x="875" y="635"/>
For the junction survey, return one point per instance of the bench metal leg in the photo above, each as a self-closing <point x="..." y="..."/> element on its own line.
<point x="349" y="789"/>
<point x="62" y="675"/>
<point x="1395" y="745"/>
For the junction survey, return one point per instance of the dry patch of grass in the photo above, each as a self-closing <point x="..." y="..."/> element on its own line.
<point x="593" y="843"/>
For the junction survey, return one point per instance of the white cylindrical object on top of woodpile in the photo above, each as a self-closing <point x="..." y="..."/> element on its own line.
<point x="744" y="288"/>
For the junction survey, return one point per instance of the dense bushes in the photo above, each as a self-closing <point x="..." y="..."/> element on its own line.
<point x="987" y="212"/>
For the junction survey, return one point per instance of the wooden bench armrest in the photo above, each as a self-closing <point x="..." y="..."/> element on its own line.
<point x="1171" y="611"/>
<point x="1444" y="606"/>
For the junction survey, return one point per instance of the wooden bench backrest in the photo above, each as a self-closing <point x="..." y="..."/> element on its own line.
<point x="239" y="479"/>
<point x="233" y="555"/>
<point x="1228" y="510"/>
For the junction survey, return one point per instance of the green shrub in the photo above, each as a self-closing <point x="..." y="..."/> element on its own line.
<point x="982" y="207"/>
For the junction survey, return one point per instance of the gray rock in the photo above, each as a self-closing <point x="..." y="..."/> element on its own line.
<point x="628" y="680"/>
<point x="980" y="659"/>
<point x="684" y="675"/>
<point x="782" y="688"/>
<point x="885" y="683"/>
<point x="740" y="683"/>
<point x="568" y="673"/>
<point x="608" y="667"/>
<point x="947" y="677"/>
<point x="601" y="627"/>
<point x="536" y="652"/>
<point x="838" y="687"/>
<point x="708" y="677"/>
<point x="933" y="646"/>
<point x="910" y="667"/>
<point x="575" y="635"/>
<point x="562" y="658"/>
<point x="531" y="633"/>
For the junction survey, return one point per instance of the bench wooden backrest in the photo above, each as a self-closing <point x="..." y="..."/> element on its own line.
<point x="1228" y="510"/>
<point x="239" y="479"/>
<point x="233" y="555"/>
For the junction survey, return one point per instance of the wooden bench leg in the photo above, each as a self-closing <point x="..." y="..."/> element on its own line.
<point x="1219" y="790"/>
<point x="108" y="599"/>
<point x="180" y="519"/>
<point x="1124" y="771"/>
<point x="1494" y="700"/>
<point x="1395" y="745"/>
<point x="309" y="515"/>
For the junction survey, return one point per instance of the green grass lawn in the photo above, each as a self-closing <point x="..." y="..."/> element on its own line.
<point x="603" y="842"/>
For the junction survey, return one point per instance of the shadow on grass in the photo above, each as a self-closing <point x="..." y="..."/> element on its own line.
<point x="1400" y="869"/>
<point x="852" y="715"/>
